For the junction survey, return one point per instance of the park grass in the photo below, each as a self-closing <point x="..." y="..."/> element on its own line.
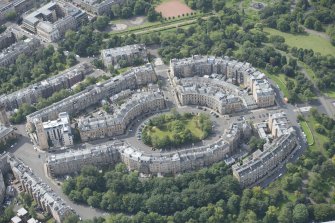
<point x="309" y="71"/>
<point x="189" y="124"/>
<point x="318" y="138"/>
<point x="306" y="41"/>
<point x="329" y="92"/>
<point x="308" y="133"/>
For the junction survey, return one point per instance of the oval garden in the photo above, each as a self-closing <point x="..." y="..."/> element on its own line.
<point x="176" y="129"/>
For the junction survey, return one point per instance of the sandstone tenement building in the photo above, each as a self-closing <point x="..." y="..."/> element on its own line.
<point x="127" y="53"/>
<point x="275" y="152"/>
<point x="44" y="196"/>
<point x="10" y="54"/>
<point x="116" y="124"/>
<point x="47" y="87"/>
<point x="233" y="71"/>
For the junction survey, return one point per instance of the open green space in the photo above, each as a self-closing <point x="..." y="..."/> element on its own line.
<point x="307" y="41"/>
<point x="308" y="133"/>
<point x="176" y="129"/>
<point x="320" y="139"/>
<point x="330" y="93"/>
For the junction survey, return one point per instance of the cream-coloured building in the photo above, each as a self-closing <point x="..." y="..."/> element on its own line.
<point x="132" y="79"/>
<point x="204" y="92"/>
<point x="151" y="163"/>
<point x="235" y="72"/>
<point x="44" y="196"/>
<point x="72" y="161"/>
<point x="127" y="53"/>
<point x="280" y="144"/>
<point x="6" y="134"/>
<point x="116" y="124"/>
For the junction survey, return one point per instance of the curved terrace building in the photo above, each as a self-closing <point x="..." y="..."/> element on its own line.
<point x="111" y="125"/>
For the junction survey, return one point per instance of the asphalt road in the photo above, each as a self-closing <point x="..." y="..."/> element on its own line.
<point x="24" y="150"/>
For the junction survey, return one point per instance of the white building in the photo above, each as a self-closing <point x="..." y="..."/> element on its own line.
<point x="58" y="131"/>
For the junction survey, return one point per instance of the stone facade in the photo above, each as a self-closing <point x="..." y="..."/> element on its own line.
<point x="238" y="73"/>
<point x="51" y="21"/>
<point x="2" y="188"/>
<point x="220" y="96"/>
<point x="97" y="7"/>
<point x="9" y="55"/>
<point x="6" y="39"/>
<point x="6" y="134"/>
<point x="17" y="6"/>
<point x="39" y="191"/>
<point x="146" y="163"/>
<point x="131" y="79"/>
<point x="111" y="125"/>
<point x="73" y="161"/>
<point x="127" y="53"/>
<point x="47" y="87"/>
<point x="261" y="163"/>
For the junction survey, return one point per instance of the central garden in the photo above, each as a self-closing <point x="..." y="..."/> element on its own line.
<point x="174" y="129"/>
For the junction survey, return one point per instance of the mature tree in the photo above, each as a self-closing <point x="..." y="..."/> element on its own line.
<point x="323" y="212"/>
<point x="286" y="213"/>
<point x="300" y="213"/>
<point x="72" y="218"/>
<point x="101" y="23"/>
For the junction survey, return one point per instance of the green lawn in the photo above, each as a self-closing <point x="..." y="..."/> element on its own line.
<point x="311" y="74"/>
<point x="308" y="41"/>
<point x="307" y="131"/>
<point x="309" y="71"/>
<point x="319" y="139"/>
<point x="330" y="93"/>
<point x="189" y="124"/>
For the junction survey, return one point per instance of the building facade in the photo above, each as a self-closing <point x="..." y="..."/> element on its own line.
<point x="73" y="161"/>
<point x="51" y="21"/>
<point x="44" y="196"/>
<point x="16" y="6"/>
<point x="235" y="72"/>
<point x="47" y="87"/>
<point x="6" y="39"/>
<point x="275" y="152"/>
<point x="97" y="7"/>
<point x="131" y="79"/>
<point x="58" y="132"/>
<point x="127" y="53"/>
<point x="151" y="163"/>
<point x="10" y="54"/>
<point x="6" y="134"/>
<point x="111" y="125"/>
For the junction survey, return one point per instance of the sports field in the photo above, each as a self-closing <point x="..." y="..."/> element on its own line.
<point x="173" y="8"/>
